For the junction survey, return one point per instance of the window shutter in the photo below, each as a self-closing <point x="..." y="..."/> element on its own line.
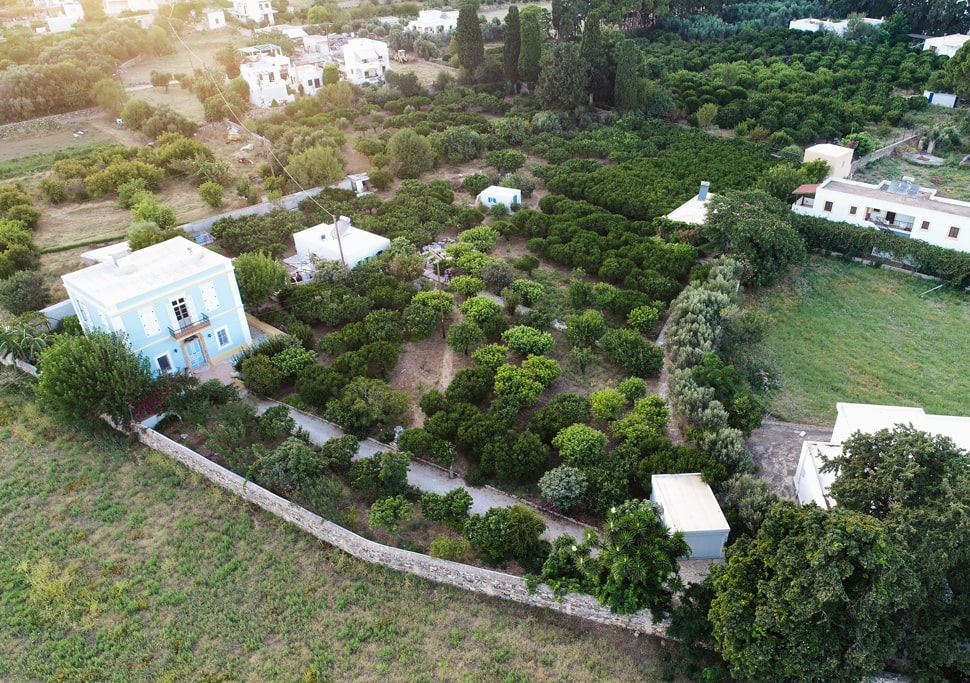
<point x="210" y="300"/>
<point x="149" y="322"/>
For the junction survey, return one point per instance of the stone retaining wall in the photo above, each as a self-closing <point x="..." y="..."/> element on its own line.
<point x="879" y="153"/>
<point x="475" y="579"/>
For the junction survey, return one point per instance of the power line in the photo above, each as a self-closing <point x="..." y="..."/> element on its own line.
<point x="235" y="116"/>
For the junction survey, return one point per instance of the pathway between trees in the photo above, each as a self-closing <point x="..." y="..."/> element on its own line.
<point x="428" y="477"/>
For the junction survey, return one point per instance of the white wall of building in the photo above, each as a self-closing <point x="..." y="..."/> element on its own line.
<point x="939" y="221"/>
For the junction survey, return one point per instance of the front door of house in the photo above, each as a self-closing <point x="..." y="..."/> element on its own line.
<point x="194" y="353"/>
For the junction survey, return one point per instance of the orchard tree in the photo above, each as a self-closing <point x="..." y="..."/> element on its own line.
<point x="563" y="486"/>
<point x="528" y="340"/>
<point x="410" y="153"/>
<point x="815" y="592"/>
<point x="367" y="404"/>
<point x="585" y="329"/>
<point x="389" y="513"/>
<point x="315" y="167"/>
<point x="259" y="276"/>
<point x="24" y="291"/>
<point x="83" y="377"/>
<point x="464" y="335"/>
<point x="581" y="446"/>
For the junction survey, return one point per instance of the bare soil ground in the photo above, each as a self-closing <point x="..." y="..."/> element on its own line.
<point x="427" y="71"/>
<point x="425" y="365"/>
<point x="95" y="130"/>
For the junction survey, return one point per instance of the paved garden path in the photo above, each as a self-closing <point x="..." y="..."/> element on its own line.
<point x="428" y="477"/>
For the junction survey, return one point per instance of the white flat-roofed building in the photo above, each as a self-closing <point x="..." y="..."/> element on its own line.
<point x="258" y="11"/>
<point x="493" y="195"/>
<point x="365" y="60"/>
<point x="268" y="72"/>
<point x="812" y="485"/>
<point x="837" y="157"/>
<point x="946" y="46"/>
<point x="898" y="206"/>
<point x="837" y="26"/>
<point x="350" y="245"/>
<point x="434" y="21"/>
<point x="694" y="210"/>
<point x="215" y="19"/>
<point x="689" y="506"/>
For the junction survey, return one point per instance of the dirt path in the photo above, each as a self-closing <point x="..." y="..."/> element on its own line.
<point x="776" y="447"/>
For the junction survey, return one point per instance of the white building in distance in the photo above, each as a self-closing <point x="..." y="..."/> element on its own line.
<point x="267" y="71"/>
<point x="812" y="485"/>
<point x="694" y="210"/>
<point x="493" y="195"/>
<point x="838" y="26"/>
<point x="946" y="46"/>
<point x="365" y="60"/>
<point x="898" y="206"/>
<point x="115" y="7"/>
<point x="258" y="11"/>
<point x="434" y="21"/>
<point x="341" y="242"/>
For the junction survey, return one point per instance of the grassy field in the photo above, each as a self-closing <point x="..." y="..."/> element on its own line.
<point x="117" y="565"/>
<point x="951" y="179"/>
<point x="851" y="333"/>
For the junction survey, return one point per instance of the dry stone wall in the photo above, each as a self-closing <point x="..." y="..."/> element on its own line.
<point x="475" y="579"/>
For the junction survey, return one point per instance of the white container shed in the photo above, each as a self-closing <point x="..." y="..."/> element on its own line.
<point x="494" y="195"/>
<point x="689" y="506"/>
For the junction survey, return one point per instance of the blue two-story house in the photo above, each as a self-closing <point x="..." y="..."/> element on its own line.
<point x="178" y="302"/>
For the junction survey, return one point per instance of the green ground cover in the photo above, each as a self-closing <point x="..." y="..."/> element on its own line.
<point x="118" y="565"/>
<point x="951" y="179"/>
<point x="851" y="333"/>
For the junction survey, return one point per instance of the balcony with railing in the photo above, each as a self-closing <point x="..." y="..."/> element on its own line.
<point x="189" y="325"/>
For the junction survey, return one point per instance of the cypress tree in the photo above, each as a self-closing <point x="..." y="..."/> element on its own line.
<point x="513" y="43"/>
<point x="627" y="86"/>
<point x="530" y="50"/>
<point x="468" y="36"/>
<point x="593" y="52"/>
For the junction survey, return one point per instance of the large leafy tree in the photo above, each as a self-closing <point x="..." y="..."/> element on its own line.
<point x="563" y="78"/>
<point x="258" y="276"/>
<point x="919" y="485"/>
<point x="512" y="42"/>
<point x="592" y="49"/>
<point x="468" y="36"/>
<point x="83" y="377"/>
<point x="411" y="153"/>
<point x="756" y="228"/>
<point x="815" y="596"/>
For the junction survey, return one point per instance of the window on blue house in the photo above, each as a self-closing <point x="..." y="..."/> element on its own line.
<point x="222" y="336"/>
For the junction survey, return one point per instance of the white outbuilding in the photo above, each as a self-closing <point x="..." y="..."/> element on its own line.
<point x="689" y="506"/>
<point x="812" y="485"/>
<point x="694" y="210"/>
<point x="494" y="195"/>
<point x="340" y="242"/>
<point x="837" y="157"/>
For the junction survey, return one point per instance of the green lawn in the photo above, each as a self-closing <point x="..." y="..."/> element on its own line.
<point x="117" y="565"/>
<point x="851" y="333"/>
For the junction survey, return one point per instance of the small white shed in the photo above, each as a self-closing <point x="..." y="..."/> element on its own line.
<point x="837" y="157"/>
<point x="494" y="195"/>
<point x="941" y="99"/>
<point x="328" y="242"/>
<point x="689" y="506"/>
